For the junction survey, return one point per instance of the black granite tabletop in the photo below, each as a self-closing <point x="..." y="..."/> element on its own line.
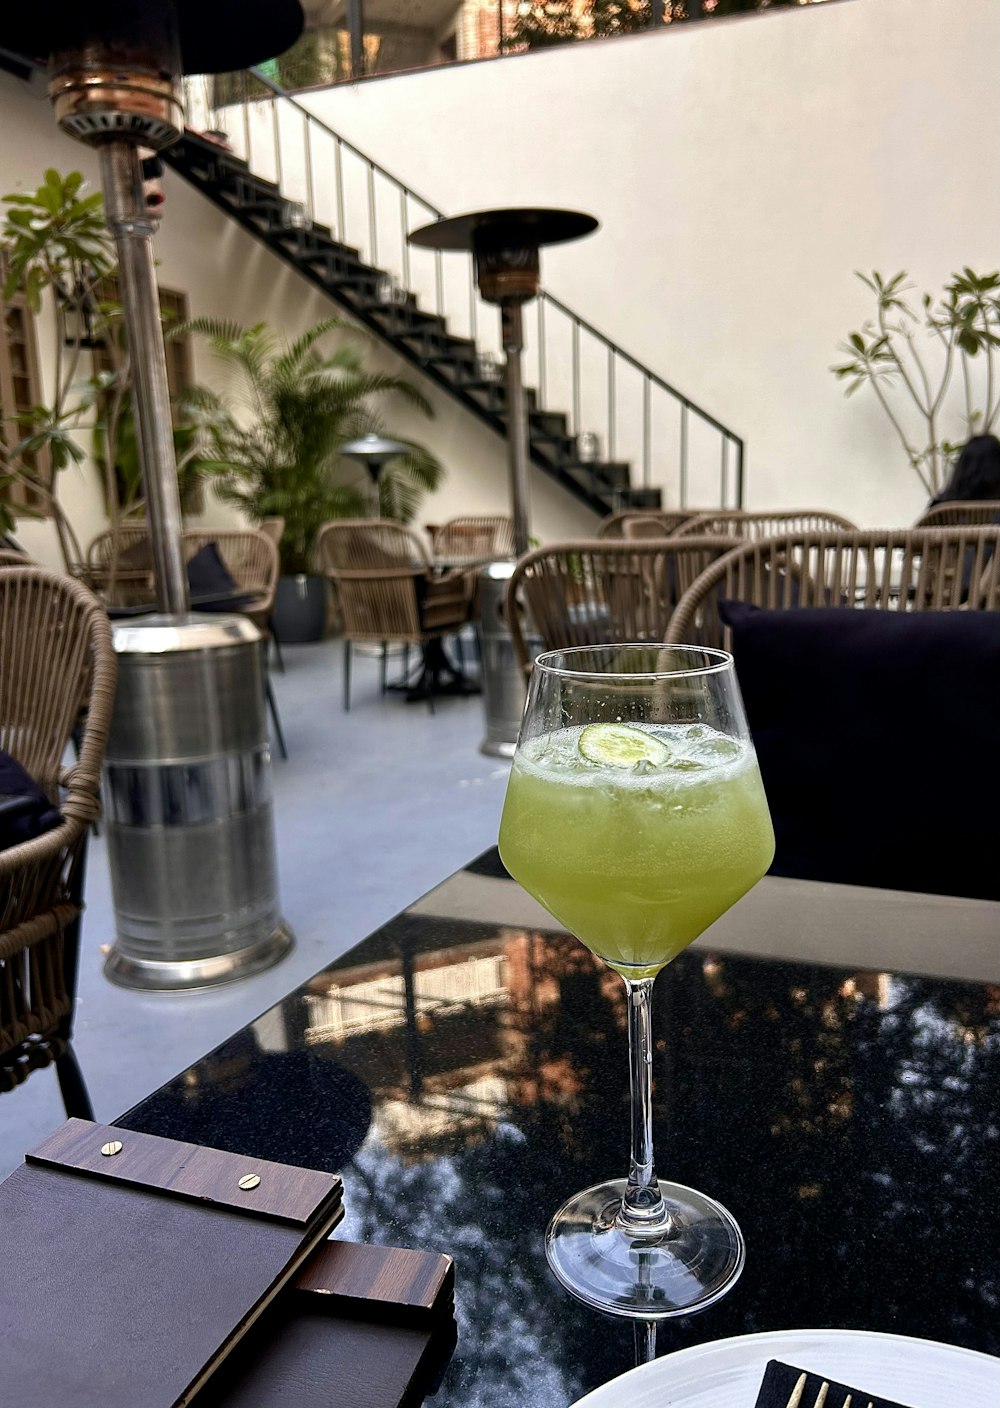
<point x="827" y="1065"/>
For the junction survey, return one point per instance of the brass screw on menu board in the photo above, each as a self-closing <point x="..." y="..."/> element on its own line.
<point x="248" y="1181"/>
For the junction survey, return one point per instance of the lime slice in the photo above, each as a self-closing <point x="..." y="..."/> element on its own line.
<point x="618" y="746"/>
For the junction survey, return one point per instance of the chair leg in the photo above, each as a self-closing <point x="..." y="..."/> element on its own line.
<point x="277" y="646"/>
<point x="460" y="652"/>
<point x="347" y="676"/>
<point x="272" y="705"/>
<point x="430" y="685"/>
<point x="75" y="1097"/>
<point x="385" y="666"/>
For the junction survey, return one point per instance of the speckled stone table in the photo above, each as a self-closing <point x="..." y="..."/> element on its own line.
<point x="827" y="1064"/>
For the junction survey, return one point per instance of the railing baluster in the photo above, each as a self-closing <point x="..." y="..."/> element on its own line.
<point x="723" y="472"/>
<point x="541" y="352"/>
<point x="438" y="283"/>
<point x="310" y="188"/>
<point x="275" y="125"/>
<point x="338" y="165"/>
<point x="576" y="376"/>
<point x="739" y="473"/>
<point x="372" y="221"/>
<point x="684" y="455"/>
<point x="405" y="221"/>
<point x="646" y="434"/>
<point x="246" y="118"/>
<point x="611" y="404"/>
<point x="473" y="304"/>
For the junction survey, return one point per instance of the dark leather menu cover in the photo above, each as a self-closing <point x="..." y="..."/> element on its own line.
<point x="127" y="1277"/>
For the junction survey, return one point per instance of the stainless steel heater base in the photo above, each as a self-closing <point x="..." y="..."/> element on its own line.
<point x="178" y="975"/>
<point x="187" y="793"/>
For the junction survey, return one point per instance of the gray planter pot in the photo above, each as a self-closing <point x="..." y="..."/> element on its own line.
<point x="300" y="609"/>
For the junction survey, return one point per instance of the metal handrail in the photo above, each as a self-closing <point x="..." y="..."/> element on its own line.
<point x="586" y="341"/>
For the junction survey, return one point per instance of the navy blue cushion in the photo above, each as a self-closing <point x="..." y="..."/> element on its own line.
<point x="877" y="738"/>
<point x="25" y="810"/>
<point x="210" y="583"/>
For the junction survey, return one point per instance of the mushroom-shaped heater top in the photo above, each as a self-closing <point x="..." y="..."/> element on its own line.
<point x="213" y="36"/>
<point x="374" y="452"/>
<point x="505" y="244"/>
<point x="114" y="65"/>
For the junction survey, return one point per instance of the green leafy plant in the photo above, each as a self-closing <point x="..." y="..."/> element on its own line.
<point x="58" y="251"/>
<point x="910" y="354"/>
<point x="54" y="240"/>
<point x="274" y="448"/>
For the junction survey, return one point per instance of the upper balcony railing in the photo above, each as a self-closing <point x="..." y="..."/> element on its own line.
<point x="350" y="39"/>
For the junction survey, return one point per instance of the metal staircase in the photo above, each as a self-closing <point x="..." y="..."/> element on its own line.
<point x="337" y="235"/>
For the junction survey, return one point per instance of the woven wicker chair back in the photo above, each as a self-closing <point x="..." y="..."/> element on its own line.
<point x="940" y="569"/>
<point x="958" y="512"/>
<point x="58" y="670"/>
<point x="120" y="562"/>
<point x="274" y="527"/>
<point x="250" y="556"/>
<point x="374" y="565"/>
<point x="644" y="522"/>
<point x="473" y="539"/>
<point x="742" y="523"/>
<point x="599" y="590"/>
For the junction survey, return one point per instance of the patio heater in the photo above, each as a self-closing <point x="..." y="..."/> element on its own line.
<point x="374" y="452"/>
<point x="505" y="247"/>
<point x="187" y="776"/>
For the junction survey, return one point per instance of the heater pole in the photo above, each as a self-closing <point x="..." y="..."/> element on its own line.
<point x="517" y="423"/>
<point x="133" y="229"/>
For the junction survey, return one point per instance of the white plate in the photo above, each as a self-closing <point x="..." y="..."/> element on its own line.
<point x="728" y="1373"/>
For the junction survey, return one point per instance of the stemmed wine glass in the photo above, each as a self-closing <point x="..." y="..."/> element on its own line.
<point x="635" y="814"/>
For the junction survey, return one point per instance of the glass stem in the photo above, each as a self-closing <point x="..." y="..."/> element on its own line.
<point x="643" y="1210"/>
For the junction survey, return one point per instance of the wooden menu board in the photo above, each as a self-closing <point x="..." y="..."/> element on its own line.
<point x="127" y="1276"/>
<point x="364" y="1326"/>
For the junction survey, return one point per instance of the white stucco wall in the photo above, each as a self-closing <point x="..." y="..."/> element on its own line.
<point x="742" y="169"/>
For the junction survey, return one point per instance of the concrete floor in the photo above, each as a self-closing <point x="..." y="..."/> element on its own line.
<point x="372" y="809"/>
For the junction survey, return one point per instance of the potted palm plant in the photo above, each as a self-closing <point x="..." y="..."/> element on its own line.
<point x="273" y="447"/>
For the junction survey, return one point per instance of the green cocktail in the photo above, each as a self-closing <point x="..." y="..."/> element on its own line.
<point x="635" y="814"/>
<point x="636" y="838"/>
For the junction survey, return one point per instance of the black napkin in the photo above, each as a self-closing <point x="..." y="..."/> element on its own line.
<point x="781" y="1382"/>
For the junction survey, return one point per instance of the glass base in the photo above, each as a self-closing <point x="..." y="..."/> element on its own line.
<point x="676" y="1268"/>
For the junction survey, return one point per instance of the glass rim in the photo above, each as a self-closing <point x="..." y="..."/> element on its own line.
<point x="721" y="660"/>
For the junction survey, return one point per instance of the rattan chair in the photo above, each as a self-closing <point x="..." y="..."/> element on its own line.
<point x="119" y="565"/>
<point x="743" y="523"/>
<point x="599" y="590"/>
<point x="273" y="526"/>
<point x="472" y="539"/>
<point x="644" y="522"/>
<point x="938" y="569"/>
<point x="389" y="593"/>
<point x="58" y="667"/>
<point x="251" y="558"/>
<point x="120" y="568"/>
<point x="961" y="511"/>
